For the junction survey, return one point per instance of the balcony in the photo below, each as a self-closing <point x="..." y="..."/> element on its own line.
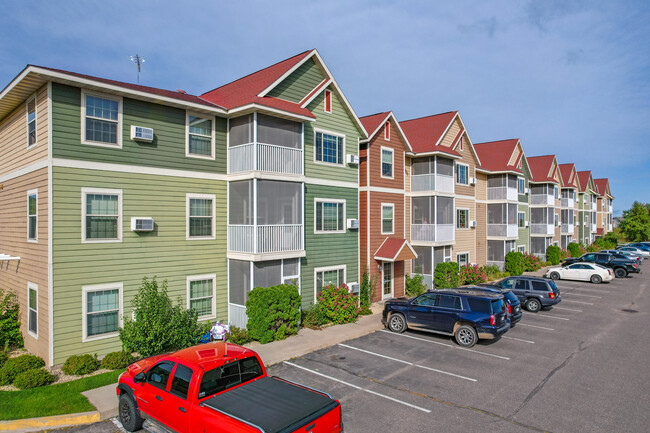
<point x="265" y="238"/>
<point x="432" y="232"/>
<point x="567" y="202"/>
<point x="268" y="158"/>
<point x="593" y="228"/>
<point x="503" y="230"/>
<point x="593" y="206"/>
<point x="566" y="229"/>
<point x="609" y="227"/>
<point x="542" y="229"/>
<point x="432" y="182"/>
<point x="502" y="193"/>
<point x="544" y="199"/>
<point x="610" y="208"/>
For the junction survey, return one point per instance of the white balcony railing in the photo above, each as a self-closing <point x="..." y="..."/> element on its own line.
<point x="503" y="230"/>
<point x="609" y="227"/>
<point x="593" y="206"/>
<point x="432" y="232"/>
<point x="542" y="199"/>
<point x="432" y="182"/>
<point x="566" y="202"/>
<point x="502" y="193"/>
<point x="610" y="208"/>
<point x="566" y="229"/>
<point x="593" y="227"/>
<point x="264" y="157"/>
<point x="265" y="239"/>
<point x="542" y="229"/>
<point x="237" y="315"/>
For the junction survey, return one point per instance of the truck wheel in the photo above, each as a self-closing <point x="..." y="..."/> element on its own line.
<point x="596" y="279"/>
<point x="555" y="275"/>
<point x="397" y="323"/>
<point x="533" y="305"/>
<point x="466" y="336"/>
<point x="128" y="413"/>
<point x="620" y="273"/>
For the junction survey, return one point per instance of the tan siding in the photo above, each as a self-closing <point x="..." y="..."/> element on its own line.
<point x="466" y="238"/>
<point x="374" y="159"/>
<point x="469" y="159"/>
<point x="481" y="186"/>
<point x="13" y="136"/>
<point x="407" y="174"/>
<point x="481" y="233"/>
<point x="452" y="133"/>
<point x="514" y="156"/>
<point x="32" y="266"/>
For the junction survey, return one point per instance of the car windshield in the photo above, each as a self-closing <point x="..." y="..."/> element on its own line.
<point x="221" y="378"/>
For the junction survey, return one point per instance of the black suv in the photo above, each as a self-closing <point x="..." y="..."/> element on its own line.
<point x="512" y="302"/>
<point x="466" y="314"/>
<point x="533" y="292"/>
<point x="620" y="266"/>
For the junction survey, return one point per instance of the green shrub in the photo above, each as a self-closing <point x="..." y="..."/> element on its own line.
<point x="117" y="360"/>
<point x="33" y="378"/>
<point x="553" y="254"/>
<point x="548" y="263"/>
<point x="9" y="320"/>
<point x="238" y="336"/>
<point x="365" y="293"/>
<point x="531" y="262"/>
<point x="313" y="317"/>
<point x="4" y="356"/>
<point x="159" y="326"/>
<point x="514" y="263"/>
<point x="446" y="275"/>
<point x="472" y="274"/>
<point x="574" y="249"/>
<point x="414" y="286"/>
<point x="492" y="272"/>
<point x="338" y="305"/>
<point x="273" y="312"/>
<point x="80" y="364"/>
<point x="14" y="366"/>
<point x="592" y="248"/>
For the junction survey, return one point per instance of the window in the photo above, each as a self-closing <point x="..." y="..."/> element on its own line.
<point x="449" y="301"/>
<point x="521" y="248"/>
<point x="102" y="310"/>
<point x="521" y="185"/>
<point x="181" y="381"/>
<point x="556" y="219"/>
<point x="200" y="137"/>
<point x="426" y="300"/>
<point x="387" y="221"/>
<point x="32" y="309"/>
<point x="538" y="285"/>
<point x="158" y="375"/>
<point x="330" y="216"/>
<point x="201" y="295"/>
<point x="329" y="148"/>
<point x="462" y="174"/>
<point x="462" y="218"/>
<point x="555" y="192"/>
<point x="387" y="278"/>
<point x="462" y="259"/>
<point x="229" y="375"/>
<point x="102" y="215"/>
<point x="386" y="162"/>
<point x="387" y="131"/>
<point x="200" y="210"/>
<point x="460" y="143"/>
<point x="101" y="120"/>
<point x="521" y="219"/>
<point x="331" y="275"/>
<point x="31" y="121"/>
<point x="32" y="215"/>
<point x="328" y="101"/>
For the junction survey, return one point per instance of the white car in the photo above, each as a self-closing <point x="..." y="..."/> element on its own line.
<point x="581" y="271"/>
<point x="635" y="250"/>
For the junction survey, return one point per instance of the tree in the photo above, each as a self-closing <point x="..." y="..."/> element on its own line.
<point x="636" y="223"/>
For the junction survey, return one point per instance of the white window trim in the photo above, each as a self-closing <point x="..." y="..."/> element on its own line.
<point x="187" y="135"/>
<point x="84" y="306"/>
<point x="521" y="248"/>
<point x="328" y="268"/>
<point x="330" y="200"/>
<point x="467" y="219"/>
<point x="30" y="192"/>
<point x="524" y="183"/>
<point x="462" y="254"/>
<point x="31" y="98"/>
<point x="212" y="197"/>
<point x="336" y="134"/>
<point x="524" y="214"/>
<point x="387" y="131"/>
<point x="456" y="174"/>
<point x="117" y="192"/>
<point x="381" y="217"/>
<point x="118" y="99"/>
<point x="212" y="277"/>
<point x="32" y="286"/>
<point x="325" y="95"/>
<point x="392" y="163"/>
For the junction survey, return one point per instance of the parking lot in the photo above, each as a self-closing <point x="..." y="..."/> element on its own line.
<point x="580" y="366"/>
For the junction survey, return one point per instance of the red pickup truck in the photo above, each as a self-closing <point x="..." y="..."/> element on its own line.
<point x="219" y="387"/>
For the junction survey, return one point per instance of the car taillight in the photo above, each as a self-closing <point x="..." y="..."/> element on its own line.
<point x="610" y="271"/>
<point x="551" y="295"/>
<point x="509" y="309"/>
<point x="635" y="265"/>
<point x="493" y="320"/>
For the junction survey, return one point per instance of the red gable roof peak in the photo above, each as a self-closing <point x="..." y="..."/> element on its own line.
<point x="583" y="178"/>
<point x="424" y="133"/>
<point x="540" y="167"/>
<point x="601" y="186"/>
<point x="495" y="155"/>
<point x="565" y="172"/>
<point x="373" y="121"/>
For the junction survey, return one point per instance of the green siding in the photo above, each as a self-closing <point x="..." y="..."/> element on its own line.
<point x="328" y="249"/>
<point x="164" y="253"/>
<point x="300" y="83"/>
<point x="524" y="233"/>
<point x="166" y="151"/>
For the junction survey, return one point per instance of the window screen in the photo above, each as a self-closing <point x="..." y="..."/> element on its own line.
<point x="241" y="130"/>
<point x="445" y="166"/>
<point x="240" y="281"/>
<point x="280" y="132"/>
<point x="279" y="202"/>
<point x="268" y="273"/>
<point x="422" y="265"/>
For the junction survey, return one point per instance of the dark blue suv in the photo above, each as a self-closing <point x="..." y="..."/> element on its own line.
<point x="512" y="301"/>
<point x="466" y="314"/>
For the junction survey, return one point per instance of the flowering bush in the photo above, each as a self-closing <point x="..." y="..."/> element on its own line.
<point x="472" y="274"/>
<point x="575" y="249"/>
<point x="338" y="305"/>
<point x="492" y="272"/>
<point x="564" y="254"/>
<point x="531" y="262"/>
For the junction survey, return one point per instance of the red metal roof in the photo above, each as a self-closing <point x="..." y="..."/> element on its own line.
<point x="583" y="178"/>
<point x="540" y="167"/>
<point x="372" y="122"/>
<point x="391" y="248"/>
<point x="425" y="132"/>
<point x="565" y="172"/>
<point x="601" y="186"/>
<point x="494" y="155"/>
<point x="599" y="231"/>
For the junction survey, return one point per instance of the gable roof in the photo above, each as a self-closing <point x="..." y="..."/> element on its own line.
<point x="602" y="187"/>
<point x="425" y="133"/>
<point x="586" y="181"/>
<point x="567" y="172"/>
<point x="374" y="122"/>
<point x="392" y="249"/>
<point x="540" y="168"/>
<point x="495" y="155"/>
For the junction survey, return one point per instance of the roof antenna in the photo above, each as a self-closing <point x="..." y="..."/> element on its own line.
<point x="138" y="61"/>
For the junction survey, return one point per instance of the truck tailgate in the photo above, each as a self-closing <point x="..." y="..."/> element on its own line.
<point x="275" y="406"/>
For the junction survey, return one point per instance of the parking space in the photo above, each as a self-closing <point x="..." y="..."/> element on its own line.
<point x="548" y="373"/>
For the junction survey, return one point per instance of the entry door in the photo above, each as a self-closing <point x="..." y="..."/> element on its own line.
<point x="387" y="280"/>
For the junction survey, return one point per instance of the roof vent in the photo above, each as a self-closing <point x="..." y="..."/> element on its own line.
<point x="181" y="91"/>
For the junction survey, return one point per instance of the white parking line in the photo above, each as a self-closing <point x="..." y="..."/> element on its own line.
<point x="580" y="294"/>
<point x="445" y="344"/>
<point x="547" y="315"/>
<point x="358" y="387"/>
<point x="406" y="362"/>
<point x="518" y="339"/>
<point x="535" y="326"/>
<point x="568" y="309"/>
<point x="590" y="290"/>
<point x="118" y="424"/>
<point x="576" y="302"/>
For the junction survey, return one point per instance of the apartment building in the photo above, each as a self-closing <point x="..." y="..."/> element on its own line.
<point x="568" y="204"/>
<point x="604" y="207"/>
<point x="586" y="208"/>
<point x="545" y="204"/>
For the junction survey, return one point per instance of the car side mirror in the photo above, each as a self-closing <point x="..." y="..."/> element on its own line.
<point x="139" y="377"/>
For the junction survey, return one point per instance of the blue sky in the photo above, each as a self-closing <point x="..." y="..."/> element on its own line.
<point x="571" y="78"/>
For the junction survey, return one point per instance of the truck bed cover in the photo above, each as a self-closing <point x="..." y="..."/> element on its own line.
<point x="272" y="404"/>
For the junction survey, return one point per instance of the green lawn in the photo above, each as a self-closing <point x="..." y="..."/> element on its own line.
<point x="49" y="400"/>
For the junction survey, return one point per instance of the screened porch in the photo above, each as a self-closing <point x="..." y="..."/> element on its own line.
<point x="542" y="194"/>
<point x="432" y="173"/>
<point x="502" y="187"/>
<point x="542" y="220"/>
<point x="502" y="220"/>
<point x="433" y="219"/>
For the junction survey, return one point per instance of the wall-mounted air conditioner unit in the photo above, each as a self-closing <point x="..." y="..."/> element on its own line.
<point x="472" y="224"/>
<point x="353" y="159"/>
<point x="353" y="224"/>
<point x="353" y="287"/>
<point x="139" y="224"/>
<point x="527" y="191"/>
<point x="141" y="133"/>
<point x="472" y="181"/>
<point x="526" y="224"/>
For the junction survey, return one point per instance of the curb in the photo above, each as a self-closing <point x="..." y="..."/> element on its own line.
<point x="37" y="424"/>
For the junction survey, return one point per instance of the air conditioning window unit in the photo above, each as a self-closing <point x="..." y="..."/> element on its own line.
<point x="353" y="287"/>
<point x="353" y="159"/>
<point x="140" y="133"/>
<point x="472" y="224"/>
<point x="527" y="191"/>
<point x="526" y="224"/>
<point x="353" y="224"/>
<point x="139" y="224"/>
<point x="472" y="181"/>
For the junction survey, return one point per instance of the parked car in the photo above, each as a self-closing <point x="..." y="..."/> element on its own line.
<point x="635" y="250"/>
<point x="220" y="387"/>
<point x="640" y="245"/>
<point x="625" y="254"/>
<point x="466" y="314"/>
<point x="621" y="267"/>
<point x="513" y="303"/>
<point x="581" y="271"/>
<point x="533" y="292"/>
